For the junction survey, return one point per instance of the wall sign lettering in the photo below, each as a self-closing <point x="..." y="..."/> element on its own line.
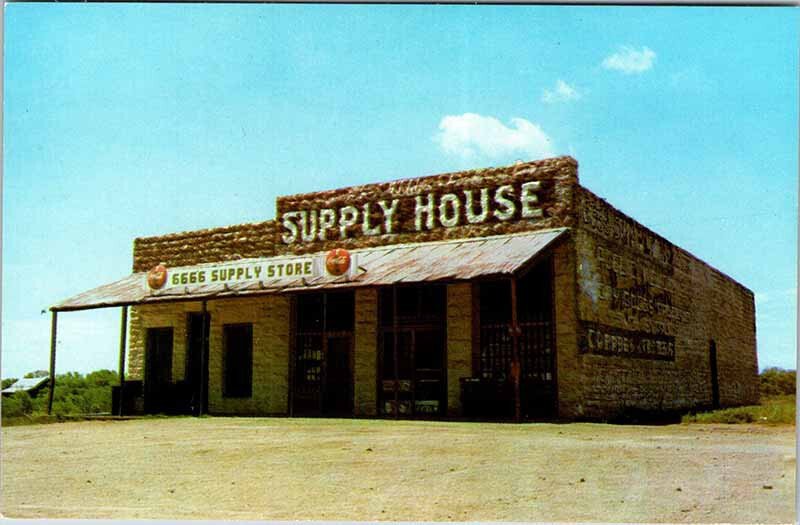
<point x="598" y="217"/>
<point x="410" y="214"/>
<point x="267" y="271"/>
<point x="600" y="339"/>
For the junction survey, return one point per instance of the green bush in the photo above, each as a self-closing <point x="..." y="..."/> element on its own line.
<point x="778" y="382"/>
<point x="17" y="405"/>
<point x="74" y="394"/>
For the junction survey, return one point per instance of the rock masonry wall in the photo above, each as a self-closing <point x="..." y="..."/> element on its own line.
<point x="647" y="313"/>
<point x="269" y="316"/>
<point x="228" y="243"/>
<point x="459" y="342"/>
<point x="365" y="355"/>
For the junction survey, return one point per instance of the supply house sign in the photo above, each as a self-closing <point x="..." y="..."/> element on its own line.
<point x="476" y="203"/>
<point x="429" y="212"/>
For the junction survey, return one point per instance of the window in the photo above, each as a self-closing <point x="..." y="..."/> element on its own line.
<point x="534" y="313"/>
<point x="237" y="360"/>
<point x="426" y="304"/>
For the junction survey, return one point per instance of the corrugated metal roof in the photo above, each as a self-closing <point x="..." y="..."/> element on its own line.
<point x="24" y="384"/>
<point x="461" y="259"/>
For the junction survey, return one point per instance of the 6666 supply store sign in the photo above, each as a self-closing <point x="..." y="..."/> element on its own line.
<point x="270" y="272"/>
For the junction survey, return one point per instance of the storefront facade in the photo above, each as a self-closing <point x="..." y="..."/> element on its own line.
<point x="511" y="292"/>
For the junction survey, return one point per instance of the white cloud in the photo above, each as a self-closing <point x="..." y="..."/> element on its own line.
<point x="562" y="92"/>
<point x="629" y="60"/>
<point x="470" y="135"/>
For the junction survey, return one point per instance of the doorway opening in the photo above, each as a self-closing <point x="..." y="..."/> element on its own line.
<point x="323" y="354"/>
<point x="712" y="358"/>
<point x="491" y="393"/>
<point x="412" y="377"/>
<point x="158" y="371"/>
<point x="196" y="391"/>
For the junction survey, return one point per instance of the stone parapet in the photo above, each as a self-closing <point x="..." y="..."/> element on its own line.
<point x="228" y="243"/>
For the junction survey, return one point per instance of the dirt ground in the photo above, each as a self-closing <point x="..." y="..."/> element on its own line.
<point x="325" y="469"/>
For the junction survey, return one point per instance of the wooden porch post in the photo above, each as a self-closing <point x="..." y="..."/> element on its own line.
<point x="53" y="327"/>
<point x="123" y="332"/>
<point x="394" y="354"/>
<point x="515" y="333"/>
<point x="203" y="364"/>
<point x="292" y="352"/>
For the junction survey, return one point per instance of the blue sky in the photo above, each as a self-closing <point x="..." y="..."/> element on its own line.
<point x="125" y="120"/>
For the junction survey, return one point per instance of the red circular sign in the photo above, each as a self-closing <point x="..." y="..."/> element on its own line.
<point x="338" y="261"/>
<point x="157" y="277"/>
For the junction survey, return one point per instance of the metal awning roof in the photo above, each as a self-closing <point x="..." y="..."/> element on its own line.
<point x="451" y="260"/>
<point x="25" y="384"/>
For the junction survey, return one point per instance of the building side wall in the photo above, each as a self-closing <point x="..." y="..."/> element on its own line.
<point x="647" y="312"/>
<point x="459" y="342"/>
<point x="365" y="351"/>
<point x="228" y="243"/>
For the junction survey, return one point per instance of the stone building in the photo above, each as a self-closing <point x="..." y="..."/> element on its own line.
<point x="496" y="293"/>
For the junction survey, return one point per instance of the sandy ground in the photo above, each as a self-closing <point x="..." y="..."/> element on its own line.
<point x="324" y="469"/>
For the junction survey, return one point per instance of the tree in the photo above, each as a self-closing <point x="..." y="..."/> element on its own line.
<point x="37" y="373"/>
<point x="8" y="382"/>
<point x="778" y="382"/>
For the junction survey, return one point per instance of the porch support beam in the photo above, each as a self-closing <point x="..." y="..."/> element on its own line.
<point x="515" y="333"/>
<point x="395" y="359"/>
<point x="53" y="329"/>
<point x="203" y="364"/>
<point x="123" y="332"/>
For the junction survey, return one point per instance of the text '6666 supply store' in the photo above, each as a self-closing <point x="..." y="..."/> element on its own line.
<point x="509" y="292"/>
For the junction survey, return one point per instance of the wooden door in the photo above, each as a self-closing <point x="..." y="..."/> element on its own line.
<point x="158" y="370"/>
<point x="338" y="397"/>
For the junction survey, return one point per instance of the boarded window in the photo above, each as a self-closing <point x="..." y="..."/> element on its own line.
<point x="237" y="360"/>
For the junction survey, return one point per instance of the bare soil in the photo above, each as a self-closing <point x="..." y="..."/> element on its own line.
<point x="326" y="469"/>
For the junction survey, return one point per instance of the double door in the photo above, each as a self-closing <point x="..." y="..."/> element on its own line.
<point x="413" y="381"/>
<point x="323" y="375"/>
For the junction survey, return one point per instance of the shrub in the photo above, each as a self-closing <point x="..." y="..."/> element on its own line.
<point x="17" y="405"/>
<point x="74" y="394"/>
<point x="777" y="382"/>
